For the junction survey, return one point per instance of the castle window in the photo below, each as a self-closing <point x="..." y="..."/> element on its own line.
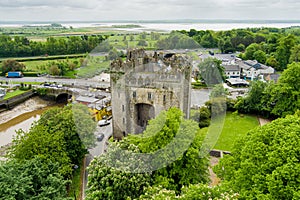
<point x="123" y="120"/>
<point x="123" y="108"/>
<point x="134" y="94"/>
<point x="164" y="98"/>
<point x="149" y="96"/>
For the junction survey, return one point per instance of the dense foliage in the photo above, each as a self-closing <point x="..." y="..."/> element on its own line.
<point x="174" y="146"/>
<point x="31" y="179"/>
<point x="272" y="46"/>
<point x="42" y="160"/>
<point x="211" y="71"/>
<point x="177" y="40"/>
<point x="21" y="46"/>
<point x="12" y="65"/>
<point x="265" y="164"/>
<point x="196" y="191"/>
<point x="274" y="99"/>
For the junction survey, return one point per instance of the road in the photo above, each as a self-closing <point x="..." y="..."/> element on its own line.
<point x="199" y="97"/>
<point x="74" y="82"/>
<point x="98" y="150"/>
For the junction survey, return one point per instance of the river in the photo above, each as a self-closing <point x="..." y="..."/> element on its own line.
<point x="21" y="117"/>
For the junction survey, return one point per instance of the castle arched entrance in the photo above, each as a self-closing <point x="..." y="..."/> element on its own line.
<point x="143" y="113"/>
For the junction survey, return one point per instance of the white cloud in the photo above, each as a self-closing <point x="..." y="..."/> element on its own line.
<point x="145" y="9"/>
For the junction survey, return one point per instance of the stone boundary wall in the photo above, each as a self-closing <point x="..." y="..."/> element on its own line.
<point x="218" y="153"/>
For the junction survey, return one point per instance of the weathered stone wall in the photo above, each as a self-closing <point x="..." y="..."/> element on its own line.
<point x="144" y="85"/>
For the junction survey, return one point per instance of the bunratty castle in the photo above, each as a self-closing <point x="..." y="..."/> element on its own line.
<point x="144" y="85"/>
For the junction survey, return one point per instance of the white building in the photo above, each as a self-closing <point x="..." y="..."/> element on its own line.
<point x="252" y="69"/>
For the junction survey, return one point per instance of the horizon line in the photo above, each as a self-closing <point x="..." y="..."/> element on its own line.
<point x="160" y="20"/>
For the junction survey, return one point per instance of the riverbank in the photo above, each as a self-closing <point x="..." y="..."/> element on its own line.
<point x="29" y="105"/>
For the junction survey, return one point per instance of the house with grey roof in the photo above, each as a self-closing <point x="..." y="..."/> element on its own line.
<point x="252" y="69"/>
<point x="232" y="71"/>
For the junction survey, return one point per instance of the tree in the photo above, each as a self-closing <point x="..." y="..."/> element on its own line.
<point x="59" y="136"/>
<point x="208" y="40"/>
<point x="250" y="50"/>
<point x="177" y="40"/>
<point x="143" y="36"/>
<point x="218" y="91"/>
<point x="39" y="142"/>
<point x="251" y="103"/>
<point x="271" y="61"/>
<point x="285" y="96"/>
<point x="142" y="43"/>
<point x="260" y="56"/>
<point x="113" y="54"/>
<point x="31" y="179"/>
<point x="265" y="163"/>
<point x="167" y="154"/>
<point x="196" y="191"/>
<point x="295" y="54"/>
<point x="54" y="70"/>
<point x="111" y="182"/>
<point x="182" y="138"/>
<point x="12" y="65"/>
<point x="77" y="124"/>
<point x="283" y="51"/>
<point x="211" y="71"/>
<point x="202" y="116"/>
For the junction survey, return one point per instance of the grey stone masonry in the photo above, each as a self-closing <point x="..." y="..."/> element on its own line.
<point x="145" y="84"/>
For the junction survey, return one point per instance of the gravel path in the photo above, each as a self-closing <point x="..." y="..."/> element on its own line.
<point x="214" y="180"/>
<point x="263" y="121"/>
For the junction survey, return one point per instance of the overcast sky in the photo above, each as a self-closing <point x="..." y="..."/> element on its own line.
<point x="82" y="10"/>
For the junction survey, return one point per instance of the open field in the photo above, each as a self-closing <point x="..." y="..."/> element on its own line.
<point x="235" y="126"/>
<point x="14" y="93"/>
<point x="131" y="40"/>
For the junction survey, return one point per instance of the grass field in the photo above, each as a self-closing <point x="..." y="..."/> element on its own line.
<point x="14" y="93"/>
<point x="93" y="67"/>
<point x="235" y="126"/>
<point x="118" y="41"/>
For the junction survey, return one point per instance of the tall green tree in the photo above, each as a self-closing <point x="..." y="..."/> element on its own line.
<point x="168" y="137"/>
<point x="59" y="136"/>
<point x="260" y="56"/>
<point x="283" y="51"/>
<point x="31" y="179"/>
<point x="211" y="71"/>
<point x="250" y="50"/>
<point x="12" y="65"/>
<point x="295" y="54"/>
<point x="265" y="163"/>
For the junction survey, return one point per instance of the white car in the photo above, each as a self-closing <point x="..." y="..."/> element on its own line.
<point x="103" y="122"/>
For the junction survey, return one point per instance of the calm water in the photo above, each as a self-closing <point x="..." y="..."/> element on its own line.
<point x="166" y="26"/>
<point x="23" y="121"/>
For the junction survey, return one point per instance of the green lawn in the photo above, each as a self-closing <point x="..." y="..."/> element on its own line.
<point x="14" y="93"/>
<point x="93" y="68"/>
<point x="235" y="126"/>
<point x="76" y="184"/>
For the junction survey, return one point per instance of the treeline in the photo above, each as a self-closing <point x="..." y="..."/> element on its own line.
<point x="43" y="160"/>
<point x="271" y="46"/>
<point x="21" y="46"/>
<point x="274" y="99"/>
<point x="177" y="41"/>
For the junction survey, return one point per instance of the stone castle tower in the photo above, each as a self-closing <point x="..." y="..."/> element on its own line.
<point x="144" y="85"/>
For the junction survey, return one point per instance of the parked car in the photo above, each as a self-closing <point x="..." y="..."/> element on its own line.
<point x="103" y="122"/>
<point x="100" y="137"/>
